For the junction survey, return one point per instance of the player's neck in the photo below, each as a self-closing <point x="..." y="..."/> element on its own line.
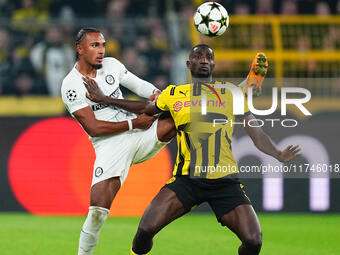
<point x="201" y="80"/>
<point x="86" y="69"/>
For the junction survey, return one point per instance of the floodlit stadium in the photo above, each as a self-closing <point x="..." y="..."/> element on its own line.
<point x="65" y="154"/>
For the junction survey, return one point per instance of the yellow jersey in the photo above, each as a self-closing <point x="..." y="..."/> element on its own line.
<point x="203" y="115"/>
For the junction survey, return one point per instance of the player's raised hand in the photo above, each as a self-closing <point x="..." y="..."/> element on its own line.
<point x="93" y="91"/>
<point x="143" y="121"/>
<point x="289" y="153"/>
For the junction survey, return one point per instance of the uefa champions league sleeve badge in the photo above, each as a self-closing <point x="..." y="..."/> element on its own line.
<point x="71" y="95"/>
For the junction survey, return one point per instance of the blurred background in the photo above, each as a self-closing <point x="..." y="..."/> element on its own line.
<point x="45" y="157"/>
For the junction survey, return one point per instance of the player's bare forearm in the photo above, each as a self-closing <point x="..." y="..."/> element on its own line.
<point x="263" y="142"/>
<point x="134" y="106"/>
<point x="128" y="105"/>
<point x="96" y="95"/>
<point x="95" y="128"/>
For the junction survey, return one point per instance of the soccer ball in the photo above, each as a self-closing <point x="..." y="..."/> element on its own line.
<point x="211" y="19"/>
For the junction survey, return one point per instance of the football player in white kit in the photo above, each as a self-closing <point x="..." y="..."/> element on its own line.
<point x="119" y="137"/>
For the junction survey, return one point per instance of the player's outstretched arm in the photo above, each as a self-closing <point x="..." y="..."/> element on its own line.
<point x="96" y="95"/>
<point x="94" y="127"/>
<point x="265" y="144"/>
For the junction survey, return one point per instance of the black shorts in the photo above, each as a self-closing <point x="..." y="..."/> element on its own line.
<point x="223" y="195"/>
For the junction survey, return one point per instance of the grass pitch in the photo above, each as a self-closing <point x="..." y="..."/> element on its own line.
<point x="24" y="234"/>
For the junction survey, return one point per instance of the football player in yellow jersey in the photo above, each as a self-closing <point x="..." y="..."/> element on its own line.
<point x="199" y="145"/>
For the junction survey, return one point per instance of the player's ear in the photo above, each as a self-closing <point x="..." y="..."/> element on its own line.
<point x="188" y="64"/>
<point x="79" y="49"/>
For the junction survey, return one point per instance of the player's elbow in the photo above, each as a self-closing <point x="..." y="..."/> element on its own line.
<point x="93" y="131"/>
<point x="141" y="111"/>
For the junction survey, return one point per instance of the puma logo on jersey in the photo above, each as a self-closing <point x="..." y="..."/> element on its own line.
<point x="97" y="107"/>
<point x="184" y="93"/>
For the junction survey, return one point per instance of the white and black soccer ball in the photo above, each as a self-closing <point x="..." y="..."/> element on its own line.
<point x="211" y="19"/>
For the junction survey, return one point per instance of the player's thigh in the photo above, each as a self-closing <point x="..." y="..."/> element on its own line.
<point x="243" y="221"/>
<point x="147" y="144"/>
<point x="114" y="157"/>
<point x="103" y="193"/>
<point x="164" y="208"/>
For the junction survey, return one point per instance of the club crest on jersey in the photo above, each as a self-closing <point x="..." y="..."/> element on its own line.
<point x="71" y="95"/>
<point x="109" y="79"/>
<point x="98" y="172"/>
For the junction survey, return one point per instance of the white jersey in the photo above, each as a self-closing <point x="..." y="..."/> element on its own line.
<point x="109" y="77"/>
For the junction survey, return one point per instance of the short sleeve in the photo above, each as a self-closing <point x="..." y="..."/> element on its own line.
<point x="73" y="98"/>
<point x="162" y="102"/>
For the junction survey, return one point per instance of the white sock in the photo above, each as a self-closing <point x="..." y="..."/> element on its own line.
<point x="91" y="229"/>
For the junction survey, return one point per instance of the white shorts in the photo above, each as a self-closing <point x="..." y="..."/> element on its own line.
<point x="116" y="154"/>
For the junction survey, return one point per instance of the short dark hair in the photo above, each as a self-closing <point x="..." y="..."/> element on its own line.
<point x="81" y="35"/>
<point x="201" y="45"/>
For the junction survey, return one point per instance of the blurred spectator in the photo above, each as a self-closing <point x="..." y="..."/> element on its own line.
<point x="242" y="9"/>
<point x="117" y="9"/>
<point x="53" y="59"/>
<point x="25" y="84"/>
<point x="6" y="8"/>
<point x="322" y="9"/>
<point x="159" y="38"/>
<point x="306" y="67"/>
<point x="183" y="39"/>
<point x="29" y="18"/>
<point x="120" y="30"/>
<point x="150" y="55"/>
<point x="134" y="63"/>
<point x="82" y="9"/>
<point x="67" y="20"/>
<point x="140" y="8"/>
<point x="258" y="40"/>
<point x="24" y="80"/>
<point x="112" y="48"/>
<point x="160" y="81"/>
<point x="5" y="62"/>
<point x="289" y="8"/>
<point x="264" y="7"/>
<point x="162" y="75"/>
<point x="303" y="44"/>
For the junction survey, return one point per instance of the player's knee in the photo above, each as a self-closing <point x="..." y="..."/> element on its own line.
<point x="253" y="241"/>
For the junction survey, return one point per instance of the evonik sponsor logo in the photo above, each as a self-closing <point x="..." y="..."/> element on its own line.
<point x="179" y="105"/>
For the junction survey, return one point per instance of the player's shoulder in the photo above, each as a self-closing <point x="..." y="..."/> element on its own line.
<point x="72" y="81"/>
<point x="109" y="61"/>
<point x="70" y="78"/>
<point x="174" y="89"/>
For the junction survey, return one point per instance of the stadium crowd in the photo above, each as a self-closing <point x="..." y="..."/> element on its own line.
<point x="37" y="36"/>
